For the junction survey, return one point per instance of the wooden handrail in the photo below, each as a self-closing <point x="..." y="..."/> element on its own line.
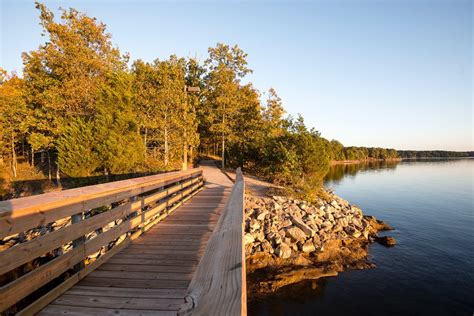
<point x="127" y="209"/>
<point x="21" y="214"/>
<point x="219" y="284"/>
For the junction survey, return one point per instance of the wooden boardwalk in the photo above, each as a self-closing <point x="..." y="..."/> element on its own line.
<point x="152" y="274"/>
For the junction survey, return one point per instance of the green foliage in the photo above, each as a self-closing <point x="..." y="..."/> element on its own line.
<point x="119" y="146"/>
<point x="13" y="117"/>
<point x="363" y="153"/>
<point x="108" y="140"/>
<point x="77" y="155"/>
<point x="39" y="141"/>
<point x="167" y="115"/>
<point x="336" y="150"/>
<point x="246" y="139"/>
<point x="273" y="113"/>
<point x="64" y="75"/>
<point x="297" y="159"/>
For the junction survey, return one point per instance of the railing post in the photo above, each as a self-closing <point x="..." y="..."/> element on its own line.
<point x="79" y="242"/>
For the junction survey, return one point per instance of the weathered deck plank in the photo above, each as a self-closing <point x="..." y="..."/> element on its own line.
<point x="151" y="275"/>
<point x="54" y="310"/>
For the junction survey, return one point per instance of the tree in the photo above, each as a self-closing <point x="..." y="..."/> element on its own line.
<point x="172" y="106"/>
<point x="194" y="78"/>
<point x="297" y="159"/>
<point x="225" y="67"/>
<point x="78" y="156"/>
<point x="63" y="77"/>
<point x="273" y="113"/>
<point x="107" y="141"/>
<point x="248" y="132"/>
<point x="337" y="150"/>
<point x="115" y="126"/>
<point x="13" y="115"/>
<point x="146" y="97"/>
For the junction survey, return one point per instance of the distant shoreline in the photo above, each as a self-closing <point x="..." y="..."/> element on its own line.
<point x="350" y="162"/>
<point x="353" y="162"/>
<point x="436" y="158"/>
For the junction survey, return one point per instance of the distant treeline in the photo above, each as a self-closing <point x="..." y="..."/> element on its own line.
<point x="338" y="152"/>
<point x="434" y="154"/>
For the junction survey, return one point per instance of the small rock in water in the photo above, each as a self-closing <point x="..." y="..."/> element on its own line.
<point x="387" y="241"/>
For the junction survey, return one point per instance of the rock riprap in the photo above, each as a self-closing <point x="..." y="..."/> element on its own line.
<point x="289" y="240"/>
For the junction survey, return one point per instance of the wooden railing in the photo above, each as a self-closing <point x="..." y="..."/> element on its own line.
<point x="219" y="284"/>
<point x="97" y="222"/>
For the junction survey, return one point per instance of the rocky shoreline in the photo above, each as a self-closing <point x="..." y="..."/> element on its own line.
<point x="289" y="240"/>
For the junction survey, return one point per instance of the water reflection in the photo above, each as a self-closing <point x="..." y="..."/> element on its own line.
<point x="299" y="295"/>
<point x="337" y="172"/>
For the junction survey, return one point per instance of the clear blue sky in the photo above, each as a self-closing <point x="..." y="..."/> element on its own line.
<point x="370" y="73"/>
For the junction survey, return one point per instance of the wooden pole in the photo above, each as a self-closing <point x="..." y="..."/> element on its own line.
<point x="79" y="241"/>
<point x="185" y="152"/>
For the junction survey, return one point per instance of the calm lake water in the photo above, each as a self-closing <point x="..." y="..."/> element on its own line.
<point x="429" y="272"/>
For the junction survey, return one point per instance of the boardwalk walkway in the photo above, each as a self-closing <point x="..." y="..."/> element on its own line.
<point x="151" y="275"/>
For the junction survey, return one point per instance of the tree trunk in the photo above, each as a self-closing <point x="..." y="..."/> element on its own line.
<point x="13" y="157"/>
<point x="58" y="178"/>
<point x="23" y="150"/>
<point x="185" y="152"/>
<point x="223" y="140"/>
<point x="49" y="166"/>
<point x="191" y="153"/>
<point x="32" y="157"/>
<point x="146" y="132"/>
<point x="223" y="151"/>
<point x="166" y="147"/>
